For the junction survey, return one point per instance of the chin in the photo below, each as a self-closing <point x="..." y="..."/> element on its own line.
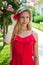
<point x="24" y="23"/>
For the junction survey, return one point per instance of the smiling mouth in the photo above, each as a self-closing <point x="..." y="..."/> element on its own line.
<point x="24" y="22"/>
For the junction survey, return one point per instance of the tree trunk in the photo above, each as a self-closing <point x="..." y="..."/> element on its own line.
<point x="5" y="29"/>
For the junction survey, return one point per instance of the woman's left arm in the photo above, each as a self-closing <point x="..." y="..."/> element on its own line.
<point x="36" y="57"/>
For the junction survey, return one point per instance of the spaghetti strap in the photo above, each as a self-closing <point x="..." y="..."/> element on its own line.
<point x="33" y="33"/>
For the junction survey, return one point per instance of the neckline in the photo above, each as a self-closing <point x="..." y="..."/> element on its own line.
<point x="24" y="37"/>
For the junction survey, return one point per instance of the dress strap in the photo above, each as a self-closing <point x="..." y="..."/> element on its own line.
<point x="33" y="34"/>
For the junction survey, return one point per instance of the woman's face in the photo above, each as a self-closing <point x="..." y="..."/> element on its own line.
<point x="24" y="18"/>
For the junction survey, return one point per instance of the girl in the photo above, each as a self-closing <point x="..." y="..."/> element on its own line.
<point x="24" y="41"/>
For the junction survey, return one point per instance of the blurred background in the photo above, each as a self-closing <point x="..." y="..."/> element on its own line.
<point x="9" y="7"/>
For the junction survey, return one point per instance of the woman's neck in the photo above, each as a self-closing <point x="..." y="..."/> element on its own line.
<point x="23" y="29"/>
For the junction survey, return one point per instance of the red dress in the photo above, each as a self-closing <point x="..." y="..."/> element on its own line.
<point x="23" y="50"/>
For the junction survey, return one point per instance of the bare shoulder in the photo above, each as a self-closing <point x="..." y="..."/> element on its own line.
<point x="35" y="34"/>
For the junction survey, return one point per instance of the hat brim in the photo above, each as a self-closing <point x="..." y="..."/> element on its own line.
<point x="20" y="10"/>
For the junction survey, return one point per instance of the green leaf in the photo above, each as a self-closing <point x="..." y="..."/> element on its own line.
<point x="1" y="3"/>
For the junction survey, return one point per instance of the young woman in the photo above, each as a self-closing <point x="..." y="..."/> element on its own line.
<point x="24" y="41"/>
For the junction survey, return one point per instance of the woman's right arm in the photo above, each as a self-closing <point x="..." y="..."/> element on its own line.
<point x="8" y="36"/>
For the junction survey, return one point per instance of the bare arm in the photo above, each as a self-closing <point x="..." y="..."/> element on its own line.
<point x="36" y="50"/>
<point x="10" y="31"/>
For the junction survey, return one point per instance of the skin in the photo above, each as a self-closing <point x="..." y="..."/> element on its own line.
<point x="24" y="19"/>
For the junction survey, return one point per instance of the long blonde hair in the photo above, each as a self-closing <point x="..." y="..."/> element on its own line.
<point x="18" y="27"/>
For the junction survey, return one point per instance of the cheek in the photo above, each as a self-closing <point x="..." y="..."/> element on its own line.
<point x="21" y="20"/>
<point x="27" y="20"/>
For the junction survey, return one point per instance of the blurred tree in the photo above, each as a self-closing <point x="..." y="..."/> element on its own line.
<point x="33" y="12"/>
<point x="7" y="7"/>
<point x="40" y="1"/>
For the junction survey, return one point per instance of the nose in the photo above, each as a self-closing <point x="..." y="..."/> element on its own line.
<point x="25" y="19"/>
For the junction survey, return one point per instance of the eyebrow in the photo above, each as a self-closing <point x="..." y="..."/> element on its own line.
<point x="23" y="16"/>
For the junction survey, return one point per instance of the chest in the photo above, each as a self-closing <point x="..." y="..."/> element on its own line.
<point x="24" y="34"/>
<point x="19" y="42"/>
<point x="23" y="44"/>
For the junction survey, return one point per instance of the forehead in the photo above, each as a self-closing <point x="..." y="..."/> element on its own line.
<point x="25" y="13"/>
